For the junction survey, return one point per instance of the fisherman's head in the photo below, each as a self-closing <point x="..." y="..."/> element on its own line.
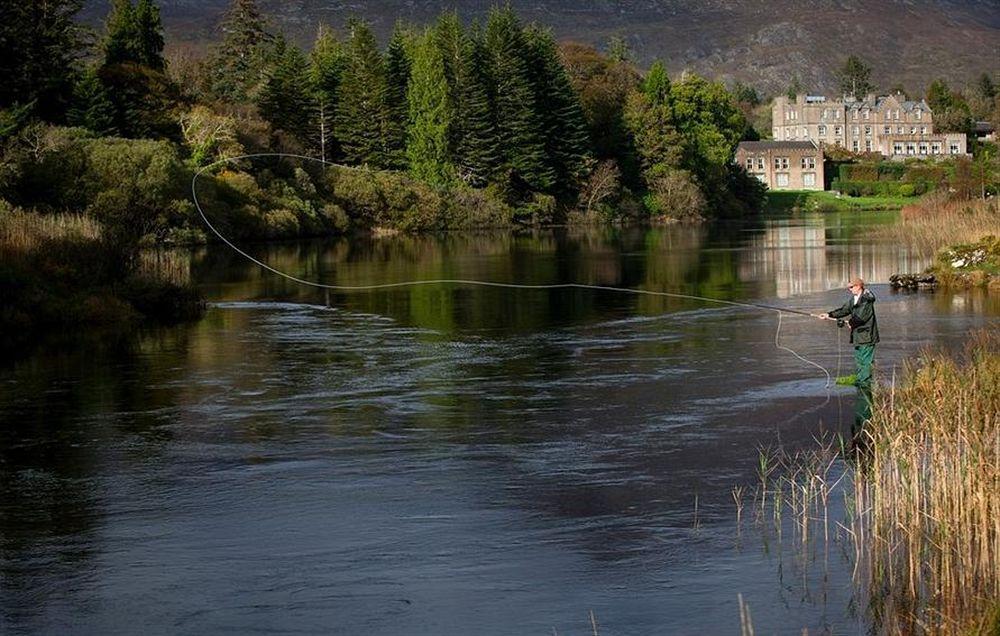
<point x="856" y="286"/>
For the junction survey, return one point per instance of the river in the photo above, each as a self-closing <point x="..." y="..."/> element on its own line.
<point x="445" y="459"/>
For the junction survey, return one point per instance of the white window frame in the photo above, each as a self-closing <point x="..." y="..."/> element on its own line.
<point x="781" y="179"/>
<point x="809" y="179"/>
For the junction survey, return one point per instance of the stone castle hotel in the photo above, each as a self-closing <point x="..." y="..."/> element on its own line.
<point x="895" y="127"/>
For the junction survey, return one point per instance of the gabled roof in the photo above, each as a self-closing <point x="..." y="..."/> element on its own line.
<point x="878" y="102"/>
<point x="761" y="146"/>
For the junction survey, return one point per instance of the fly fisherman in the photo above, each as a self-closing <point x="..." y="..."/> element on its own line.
<point x="860" y="313"/>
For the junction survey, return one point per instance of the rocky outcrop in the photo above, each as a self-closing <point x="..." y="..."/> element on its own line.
<point x="913" y="281"/>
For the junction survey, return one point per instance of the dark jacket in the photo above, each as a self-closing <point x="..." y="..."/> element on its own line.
<point x="864" y="326"/>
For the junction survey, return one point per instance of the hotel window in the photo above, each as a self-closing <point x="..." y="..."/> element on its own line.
<point x="760" y="163"/>
<point x="749" y="163"/>
<point x="809" y="179"/>
<point x="868" y="130"/>
<point x="781" y="163"/>
<point x="805" y="133"/>
<point x="936" y="148"/>
<point x="838" y="130"/>
<point x="782" y="179"/>
<point x="913" y="130"/>
<point x="808" y="163"/>
<point x="855" y="131"/>
<point x="836" y="114"/>
<point x="923" y="147"/>
<point x="923" y="130"/>
<point x="822" y="130"/>
<point x="887" y="130"/>
<point x="868" y="145"/>
<point x="897" y="148"/>
<point x="866" y="113"/>
<point x="911" y="148"/>
<point x="918" y="113"/>
<point x="826" y="112"/>
<point x="953" y="147"/>
<point x="854" y="145"/>
<point x="899" y="130"/>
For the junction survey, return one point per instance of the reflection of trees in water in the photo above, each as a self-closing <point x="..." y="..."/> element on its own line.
<point x="68" y="410"/>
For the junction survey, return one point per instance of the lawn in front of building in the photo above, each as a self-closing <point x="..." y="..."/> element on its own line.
<point x="825" y="201"/>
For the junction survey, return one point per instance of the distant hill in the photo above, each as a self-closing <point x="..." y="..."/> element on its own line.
<point x="764" y="42"/>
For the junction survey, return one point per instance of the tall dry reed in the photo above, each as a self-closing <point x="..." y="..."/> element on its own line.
<point x="22" y="232"/>
<point x="936" y="221"/>
<point x="928" y="496"/>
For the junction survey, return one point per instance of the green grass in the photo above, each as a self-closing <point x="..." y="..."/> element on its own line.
<point x="812" y="200"/>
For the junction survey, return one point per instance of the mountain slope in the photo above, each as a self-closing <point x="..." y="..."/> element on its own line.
<point x="767" y="43"/>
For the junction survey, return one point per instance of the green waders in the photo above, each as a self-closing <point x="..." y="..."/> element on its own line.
<point x="864" y="355"/>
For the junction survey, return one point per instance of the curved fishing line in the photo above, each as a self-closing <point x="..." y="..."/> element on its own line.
<point x="462" y="281"/>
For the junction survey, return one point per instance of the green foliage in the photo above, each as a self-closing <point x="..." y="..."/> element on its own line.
<point x="326" y="71"/>
<point x="518" y="121"/>
<point x="397" y="106"/>
<point x="40" y="45"/>
<point x="361" y="119"/>
<point x="13" y="119"/>
<point x="286" y="99"/>
<point x="241" y="60"/>
<point x="145" y="101"/>
<point x="854" y="77"/>
<point x="563" y="126"/>
<point x="91" y="107"/>
<point x="134" y="34"/>
<point x="474" y="134"/>
<point x="951" y="111"/>
<point x="429" y="115"/>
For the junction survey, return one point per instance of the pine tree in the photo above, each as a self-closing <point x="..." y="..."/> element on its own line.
<point x="40" y="45"/>
<point x="286" y="99"/>
<point x="854" y="78"/>
<point x="477" y="152"/>
<point x="397" y="76"/>
<point x="427" y="138"/>
<point x="450" y="40"/>
<point x="519" y="128"/>
<point x="326" y="69"/>
<point x="91" y="107"/>
<point x="134" y="34"/>
<point x="360" y="122"/>
<point x="564" y="127"/>
<point x="247" y="49"/>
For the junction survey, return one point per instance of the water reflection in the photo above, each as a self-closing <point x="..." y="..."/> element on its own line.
<point x="438" y="459"/>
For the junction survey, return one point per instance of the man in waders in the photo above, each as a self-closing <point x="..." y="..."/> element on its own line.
<point x="860" y="313"/>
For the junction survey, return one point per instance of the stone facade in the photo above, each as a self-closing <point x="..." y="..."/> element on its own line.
<point x="891" y="125"/>
<point x="783" y="165"/>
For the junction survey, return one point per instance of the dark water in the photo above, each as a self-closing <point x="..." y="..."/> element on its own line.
<point x="445" y="460"/>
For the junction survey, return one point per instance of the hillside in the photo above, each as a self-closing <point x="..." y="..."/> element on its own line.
<point x="765" y="43"/>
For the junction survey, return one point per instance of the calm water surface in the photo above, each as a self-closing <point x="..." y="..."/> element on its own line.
<point x="447" y="460"/>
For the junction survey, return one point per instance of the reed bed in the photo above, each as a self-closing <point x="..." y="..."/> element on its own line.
<point x="23" y="232"/>
<point x="936" y="221"/>
<point x="928" y="496"/>
<point x="921" y="497"/>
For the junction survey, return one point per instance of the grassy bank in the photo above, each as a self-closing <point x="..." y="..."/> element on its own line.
<point x="62" y="270"/>
<point x="930" y="497"/>
<point x="962" y="233"/>
<point x="823" y="201"/>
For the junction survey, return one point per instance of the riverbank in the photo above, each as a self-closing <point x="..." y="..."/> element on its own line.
<point x="826" y="201"/>
<point x="931" y="486"/>
<point x="964" y="235"/>
<point x="61" y="272"/>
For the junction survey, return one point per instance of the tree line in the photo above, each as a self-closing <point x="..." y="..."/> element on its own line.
<point x="499" y="105"/>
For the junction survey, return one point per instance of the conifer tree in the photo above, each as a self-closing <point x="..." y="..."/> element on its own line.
<point x="397" y="76"/>
<point x="286" y="99"/>
<point x="477" y="153"/>
<point x="362" y="114"/>
<point x="91" y="107"/>
<point x="326" y="69"/>
<point x="134" y="34"/>
<point x="518" y="125"/>
<point x="427" y="138"/>
<point x="564" y="127"/>
<point x="40" y="45"/>
<point x="240" y="62"/>
<point x="450" y="39"/>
